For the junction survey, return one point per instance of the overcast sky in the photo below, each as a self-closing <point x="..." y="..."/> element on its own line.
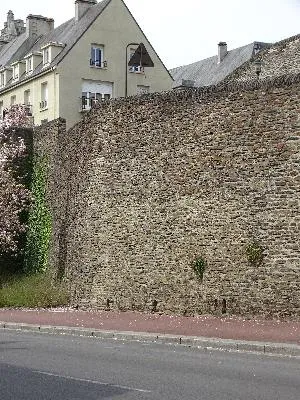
<point x="186" y="31"/>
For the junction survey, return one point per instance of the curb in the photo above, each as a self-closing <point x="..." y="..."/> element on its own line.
<point x="267" y="348"/>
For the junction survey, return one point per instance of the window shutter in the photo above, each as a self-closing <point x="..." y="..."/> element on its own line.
<point x="92" y="56"/>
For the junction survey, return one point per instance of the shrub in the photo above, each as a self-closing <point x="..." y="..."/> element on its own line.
<point x="199" y="266"/>
<point x="254" y="253"/>
<point x="32" y="291"/>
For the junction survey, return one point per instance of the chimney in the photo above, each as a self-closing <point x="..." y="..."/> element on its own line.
<point x="81" y="7"/>
<point x="36" y="25"/>
<point x="222" y="51"/>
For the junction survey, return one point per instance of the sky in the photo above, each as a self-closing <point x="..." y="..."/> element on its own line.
<point x="186" y="31"/>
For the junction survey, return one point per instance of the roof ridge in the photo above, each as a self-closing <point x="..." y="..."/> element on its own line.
<point x="214" y="56"/>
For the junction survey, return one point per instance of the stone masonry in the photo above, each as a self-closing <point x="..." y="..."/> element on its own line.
<point x="144" y="186"/>
<point x="279" y="59"/>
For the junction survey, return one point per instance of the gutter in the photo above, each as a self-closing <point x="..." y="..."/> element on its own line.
<point x="29" y="79"/>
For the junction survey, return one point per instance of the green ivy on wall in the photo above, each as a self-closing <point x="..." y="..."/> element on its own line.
<point x="39" y="221"/>
<point x="199" y="266"/>
<point x="254" y="253"/>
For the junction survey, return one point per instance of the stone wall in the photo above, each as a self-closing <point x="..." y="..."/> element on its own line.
<point x="149" y="184"/>
<point x="281" y="58"/>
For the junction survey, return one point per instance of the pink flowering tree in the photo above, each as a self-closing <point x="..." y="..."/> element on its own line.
<point x="14" y="196"/>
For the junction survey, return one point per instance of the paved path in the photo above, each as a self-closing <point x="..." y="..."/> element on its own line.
<point x="205" y="326"/>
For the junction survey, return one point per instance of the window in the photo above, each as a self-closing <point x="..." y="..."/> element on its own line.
<point x="142" y="89"/>
<point x="46" y="56"/>
<point x="44" y="96"/>
<point x="27" y="97"/>
<point x="135" y="68"/>
<point x="13" y="100"/>
<point x="89" y="99"/>
<point x="97" y="57"/>
<point x="15" y="72"/>
<point x="1" y="109"/>
<point x="29" y="65"/>
<point x="2" y="79"/>
<point x="94" y="91"/>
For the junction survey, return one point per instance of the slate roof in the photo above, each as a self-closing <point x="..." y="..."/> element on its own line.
<point x="208" y="72"/>
<point x="68" y="33"/>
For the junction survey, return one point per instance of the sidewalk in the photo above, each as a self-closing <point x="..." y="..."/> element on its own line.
<point x="206" y="327"/>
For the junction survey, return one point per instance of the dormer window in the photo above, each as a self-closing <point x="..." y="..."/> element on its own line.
<point x="15" y="72"/>
<point x="18" y="69"/>
<point x="50" y="51"/>
<point x="5" y="76"/>
<point x="29" y="65"/>
<point x="32" y="61"/>
<point x="97" y="56"/>
<point x="2" y="79"/>
<point x="46" y="56"/>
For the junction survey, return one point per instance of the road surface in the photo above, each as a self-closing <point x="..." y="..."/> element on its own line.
<point x="56" y="367"/>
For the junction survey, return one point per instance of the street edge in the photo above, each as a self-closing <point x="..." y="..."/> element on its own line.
<point x="268" y="348"/>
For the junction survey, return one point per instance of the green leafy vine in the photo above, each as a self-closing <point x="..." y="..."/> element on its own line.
<point x="39" y="221"/>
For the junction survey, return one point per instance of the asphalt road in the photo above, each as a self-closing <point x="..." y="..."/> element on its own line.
<point x="57" y="367"/>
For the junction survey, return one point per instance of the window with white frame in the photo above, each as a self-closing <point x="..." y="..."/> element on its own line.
<point x="2" y="79"/>
<point x="16" y="72"/>
<point x="29" y="65"/>
<point x="95" y="91"/>
<point x="13" y="100"/>
<point x="46" y="56"/>
<point x="135" y="68"/>
<point x="97" y="56"/>
<point x="44" y="96"/>
<point x="1" y="109"/>
<point x="27" y="100"/>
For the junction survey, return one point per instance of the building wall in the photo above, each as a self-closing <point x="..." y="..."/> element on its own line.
<point x="115" y="29"/>
<point x="147" y="185"/>
<point x="51" y="112"/>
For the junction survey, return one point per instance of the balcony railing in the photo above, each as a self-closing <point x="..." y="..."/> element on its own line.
<point x="98" y="64"/>
<point x="43" y="104"/>
<point x="89" y="102"/>
<point x="28" y="109"/>
<point x="137" y="69"/>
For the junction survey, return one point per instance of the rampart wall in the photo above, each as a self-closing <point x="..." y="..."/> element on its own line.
<point x="279" y="59"/>
<point x="144" y="186"/>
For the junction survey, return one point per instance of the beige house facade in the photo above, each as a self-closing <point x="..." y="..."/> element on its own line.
<point x="63" y="72"/>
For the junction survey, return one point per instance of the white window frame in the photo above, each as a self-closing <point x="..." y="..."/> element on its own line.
<point x="46" y="56"/>
<point x="137" y="69"/>
<point x="97" y="56"/>
<point x="27" y="97"/>
<point x="2" y="79"/>
<point x="29" y="65"/>
<point x="44" y="96"/>
<point x="91" y="98"/>
<point x="1" y="109"/>
<point x="15" y="72"/>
